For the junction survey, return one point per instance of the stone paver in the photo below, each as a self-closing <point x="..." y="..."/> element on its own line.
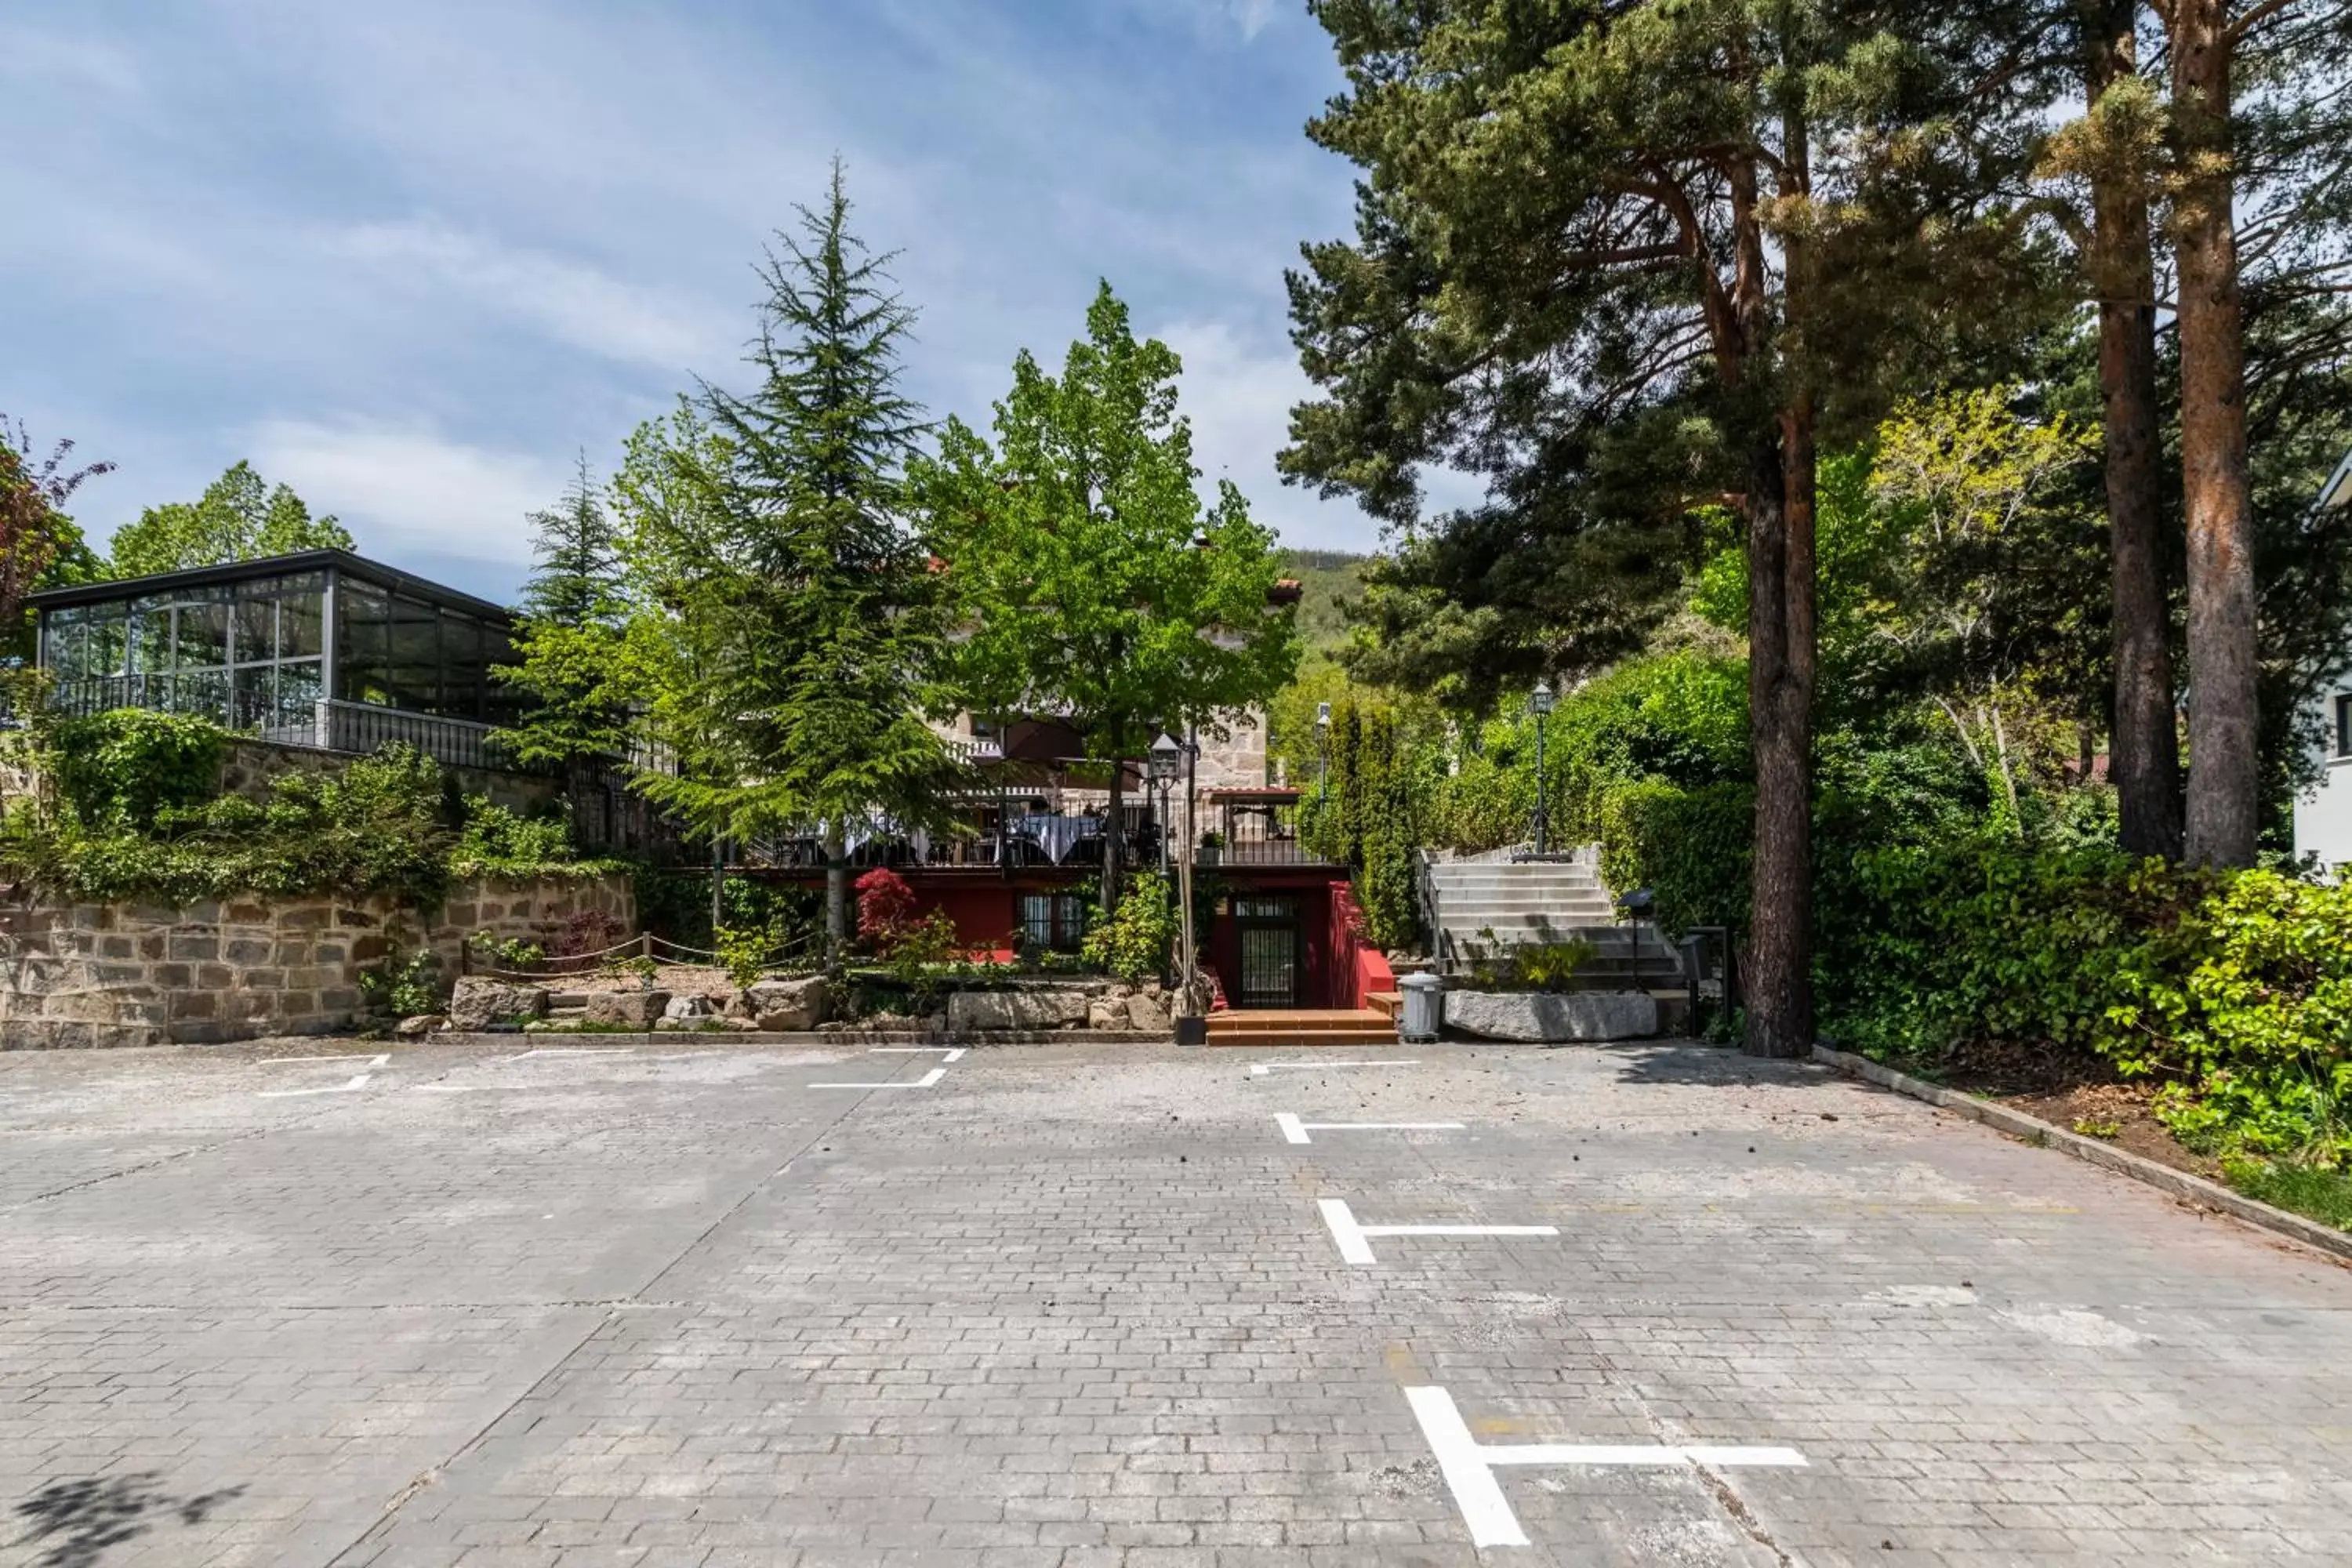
<point x="1076" y="1306"/>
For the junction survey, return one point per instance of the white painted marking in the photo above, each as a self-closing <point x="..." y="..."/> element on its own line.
<point x="1297" y="1130"/>
<point x="926" y="1081"/>
<point x="1468" y="1475"/>
<point x="358" y="1082"/>
<point x="1468" y="1466"/>
<point x="1259" y="1069"/>
<point x="1350" y="1236"/>
<point x="954" y="1056"/>
<point x="954" y="1053"/>
<point x="571" y="1051"/>
<point x="345" y="1056"/>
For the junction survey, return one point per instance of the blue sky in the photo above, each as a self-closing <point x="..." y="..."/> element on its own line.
<point x="412" y="258"/>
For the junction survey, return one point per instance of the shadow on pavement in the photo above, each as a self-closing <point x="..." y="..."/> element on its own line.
<point x="1688" y="1062"/>
<point x="76" y="1523"/>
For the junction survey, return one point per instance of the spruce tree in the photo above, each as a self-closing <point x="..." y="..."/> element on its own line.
<point x="796" y="687"/>
<point x="568" y="642"/>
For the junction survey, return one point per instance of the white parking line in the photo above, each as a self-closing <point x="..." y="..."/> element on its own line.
<point x="1468" y="1466"/>
<point x="926" y="1081"/>
<point x="1297" y="1130"/>
<point x="954" y="1053"/>
<point x="1349" y="1236"/>
<point x="345" y="1056"/>
<point x="358" y="1082"/>
<point x="571" y="1051"/>
<point x="1259" y="1069"/>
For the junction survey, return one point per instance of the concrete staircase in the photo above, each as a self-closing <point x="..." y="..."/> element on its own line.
<point x="1304" y="1026"/>
<point x="1523" y="903"/>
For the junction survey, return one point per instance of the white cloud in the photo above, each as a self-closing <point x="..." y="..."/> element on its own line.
<point x="1239" y="400"/>
<point x="1253" y="16"/>
<point x="570" y="302"/>
<point x="406" y="491"/>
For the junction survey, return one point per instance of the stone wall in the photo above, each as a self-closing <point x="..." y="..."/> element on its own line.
<point x="142" y="974"/>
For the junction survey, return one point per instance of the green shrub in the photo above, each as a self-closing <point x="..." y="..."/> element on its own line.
<point x="1133" y="943"/>
<point x="498" y="842"/>
<point x="1691" y="847"/>
<point x="125" y="767"/>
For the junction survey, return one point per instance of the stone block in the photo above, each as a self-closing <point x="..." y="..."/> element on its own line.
<point x="968" y="1010"/>
<point x="357" y="919"/>
<point x="366" y="950"/>
<point x="627" y="1009"/>
<point x="193" y="1005"/>
<point x="1146" y="1011"/>
<point x="247" y="950"/>
<point x="788" y="1006"/>
<point x="479" y="1003"/>
<point x="248" y="914"/>
<point x="1551" y="1018"/>
<point x="305" y="917"/>
<point x="195" y="949"/>
<point x="335" y="951"/>
<point x="423" y="1023"/>
<point x="1106" y="1013"/>
<point x="175" y="977"/>
<point x="215" y="976"/>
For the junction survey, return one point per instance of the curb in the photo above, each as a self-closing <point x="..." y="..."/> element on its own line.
<point x="2033" y="1129"/>
<point x="805" y="1039"/>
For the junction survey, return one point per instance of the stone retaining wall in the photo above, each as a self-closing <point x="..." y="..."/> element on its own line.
<point x="143" y="974"/>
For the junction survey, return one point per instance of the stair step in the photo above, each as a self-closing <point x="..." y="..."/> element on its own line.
<point x="1385" y="1035"/>
<point x="1388" y="1004"/>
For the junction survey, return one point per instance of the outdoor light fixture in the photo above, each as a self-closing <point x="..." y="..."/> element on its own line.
<point x="1539" y="702"/>
<point x="1167" y="765"/>
<point x="1322" y="752"/>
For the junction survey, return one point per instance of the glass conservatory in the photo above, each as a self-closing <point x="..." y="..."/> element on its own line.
<point x="321" y="648"/>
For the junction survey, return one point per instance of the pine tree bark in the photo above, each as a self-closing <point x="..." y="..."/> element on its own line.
<point x="2144" y="760"/>
<point x="2224" y="780"/>
<point x="1114" y="837"/>
<point x="1778" y="981"/>
<point x="836" y="899"/>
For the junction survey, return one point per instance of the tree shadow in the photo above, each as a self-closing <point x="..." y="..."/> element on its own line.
<point x="76" y="1523"/>
<point x="1711" y="1066"/>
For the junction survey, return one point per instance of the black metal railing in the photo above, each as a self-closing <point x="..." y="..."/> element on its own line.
<point x="1255" y="833"/>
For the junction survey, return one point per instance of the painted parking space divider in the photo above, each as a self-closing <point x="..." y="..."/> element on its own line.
<point x="351" y="1085"/>
<point x="926" y="1081"/>
<point x="954" y="1053"/>
<point x="1469" y="1466"/>
<point x="1259" y="1069"/>
<point x="1353" y="1240"/>
<point x="1295" y="1130"/>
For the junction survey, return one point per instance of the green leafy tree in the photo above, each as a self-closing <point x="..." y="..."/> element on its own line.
<point x="238" y="518"/>
<point x="39" y="545"/>
<point x="569" y="637"/>
<point x="1624" y="261"/>
<point x="1092" y="581"/>
<point x="790" y="619"/>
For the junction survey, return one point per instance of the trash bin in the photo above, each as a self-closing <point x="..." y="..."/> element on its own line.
<point x="1424" y="1007"/>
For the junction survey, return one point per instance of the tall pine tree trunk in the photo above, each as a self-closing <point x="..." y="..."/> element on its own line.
<point x="1780" y="640"/>
<point x="1778" y="981"/>
<point x="2224" y="779"/>
<point x="2144" y="760"/>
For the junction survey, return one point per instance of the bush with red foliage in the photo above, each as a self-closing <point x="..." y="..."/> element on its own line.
<point x="885" y="908"/>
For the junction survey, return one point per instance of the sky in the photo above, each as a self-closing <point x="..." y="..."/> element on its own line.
<point x="413" y="259"/>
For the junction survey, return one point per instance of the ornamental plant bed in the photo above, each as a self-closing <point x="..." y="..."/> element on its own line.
<point x="2076" y="1089"/>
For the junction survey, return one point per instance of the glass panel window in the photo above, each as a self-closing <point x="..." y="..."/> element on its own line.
<point x="202" y="633"/>
<point x="256" y="630"/>
<point x="461" y="666"/>
<point x="204" y="691"/>
<point x="151" y="637"/>
<point x="415" y="667"/>
<point x="1052" y="920"/>
<point x="253" y="709"/>
<point x="301" y="622"/>
<point x="2344" y="725"/>
<point x="300" y="684"/>
<point x="364" y="672"/>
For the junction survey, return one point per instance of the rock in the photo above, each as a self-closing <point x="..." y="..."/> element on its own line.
<point x="1145" y="1011"/>
<point x="480" y="1003"/>
<point x="1106" y="1013"/>
<point x="968" y="1010"/>
<point x="423" y="1023"/>
<point x="680" y="1009"/>
<point x="627" y="1009"/>
<point x="937" y="1023"/>
<point x="789" y="1004"/>
<point x="1552" y="1016"/>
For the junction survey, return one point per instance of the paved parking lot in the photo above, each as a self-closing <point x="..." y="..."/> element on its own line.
<point x="1081" y="1306"/>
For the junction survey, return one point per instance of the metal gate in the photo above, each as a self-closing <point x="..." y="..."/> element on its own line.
<point x="1268" y="927"/>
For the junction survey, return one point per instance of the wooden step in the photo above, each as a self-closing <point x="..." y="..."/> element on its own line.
<point x="1304" y="1026"/>
<point x="1387" y="1004"/>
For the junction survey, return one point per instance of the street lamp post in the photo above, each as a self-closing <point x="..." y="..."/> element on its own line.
<point x="1322" y="752"/>
<point x="1167" y="766"/>
<point x="1539" y="702"/>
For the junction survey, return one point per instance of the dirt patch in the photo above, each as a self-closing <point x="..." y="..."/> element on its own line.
<point x="2117" y="1114"/>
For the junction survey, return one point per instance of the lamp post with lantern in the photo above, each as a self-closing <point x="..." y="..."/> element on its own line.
<point x="1167" y="766"/>
<point x="1539" y="703"/>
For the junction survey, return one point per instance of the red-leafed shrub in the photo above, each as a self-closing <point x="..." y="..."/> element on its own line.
<point x="886" y="907"/>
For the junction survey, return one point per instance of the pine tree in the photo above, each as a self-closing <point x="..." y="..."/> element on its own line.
<point x="568" y="646"/>
<point x="794" y="672"/>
